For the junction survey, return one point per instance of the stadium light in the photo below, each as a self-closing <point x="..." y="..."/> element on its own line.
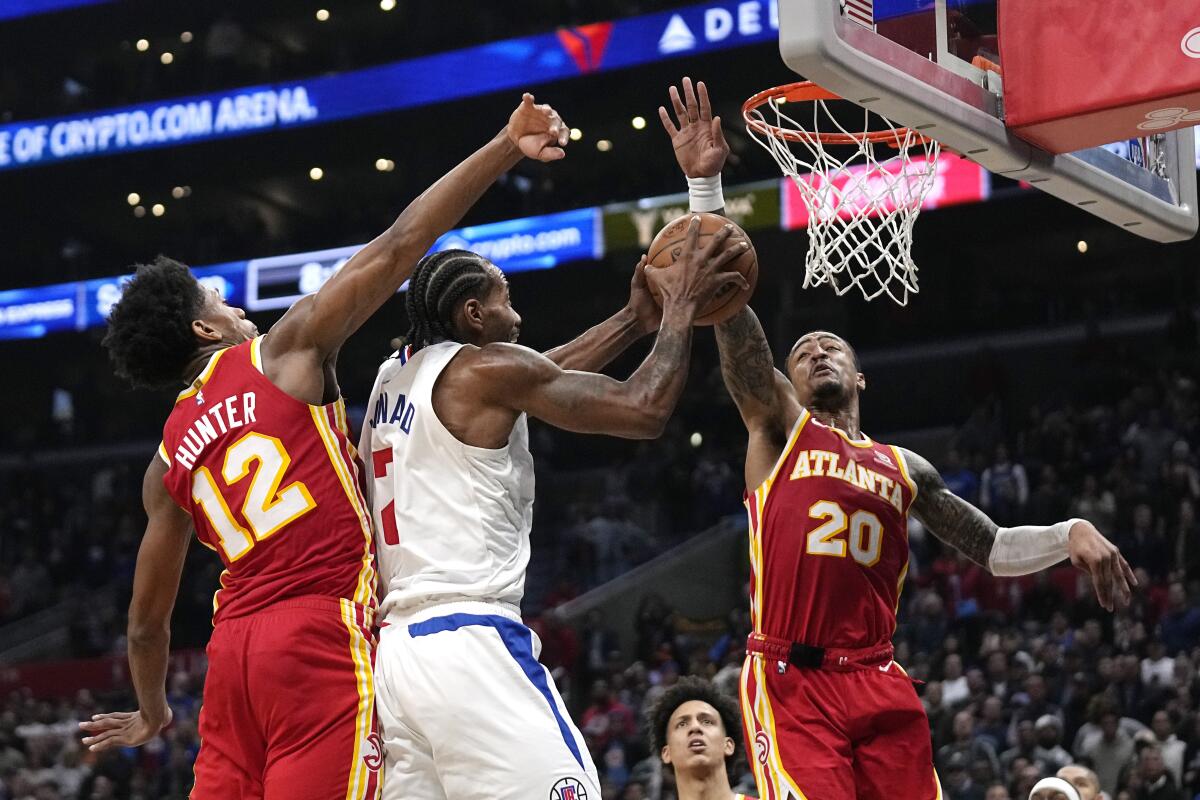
<point x="385" y="164"/>
<point x="133" y="198"/>
<point x="158" y="209"/>
<point x="143" y="45"/>
<point x="387" y="5"/>
<point x="322" y="14"/>
<point x="166" y="57"/>
<point x="185" y="37"/>
<point x="576" y="134"/>
<point x="139" y="211"/>
<point x="604" y="145"/>
<point x="316" y="173"/>
<point x="178" y="193"/>
<point x="639" y="123"/>
<point x="1081" y="246"/>
<point x="696" y="439"/>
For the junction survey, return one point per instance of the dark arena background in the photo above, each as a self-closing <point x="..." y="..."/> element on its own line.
<point x="1048" y="368"/>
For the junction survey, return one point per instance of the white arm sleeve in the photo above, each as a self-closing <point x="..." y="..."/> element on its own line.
<point x="1029" y="548"/>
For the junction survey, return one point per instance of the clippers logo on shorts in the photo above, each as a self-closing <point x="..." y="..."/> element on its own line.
<point x="762" y="747"/>
<point x="568" y="789"/>
<point x="1191" y="43"/>
<point x="373" y="757"/>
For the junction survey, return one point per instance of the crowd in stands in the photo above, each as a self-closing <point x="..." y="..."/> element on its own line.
<point x="1019" y="677"/>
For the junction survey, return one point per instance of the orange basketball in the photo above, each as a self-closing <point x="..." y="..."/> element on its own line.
<point x="668" y="246"/>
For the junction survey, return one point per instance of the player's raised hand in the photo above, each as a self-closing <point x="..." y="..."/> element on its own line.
<point x="700" y="146"/>
<point x="1100" y="558"/>
<point x="699" y="271"/>
<point x="120" y="729"/>
<point x="538" y="130"/>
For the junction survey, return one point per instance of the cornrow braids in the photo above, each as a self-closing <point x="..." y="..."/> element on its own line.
<point x="439" y="282"/>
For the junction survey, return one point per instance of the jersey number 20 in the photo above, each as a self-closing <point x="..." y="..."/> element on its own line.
<point x="266" y="509"/>
<point x="865" y="538"/>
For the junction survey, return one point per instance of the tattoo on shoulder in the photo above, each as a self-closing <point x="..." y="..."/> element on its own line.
<point x="948" y="517"/>
<point x="746" y="360"/>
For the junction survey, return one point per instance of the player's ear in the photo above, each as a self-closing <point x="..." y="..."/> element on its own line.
<point x="204" y="332"/>
<point x="665" y="755"/>
<point x="861" y="381"/>
<point x="730" y="746"/>
<point x="470" y="317"/>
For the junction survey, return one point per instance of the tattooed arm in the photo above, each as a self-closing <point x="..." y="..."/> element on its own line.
<point x="947" y="516"/>
<point x="1020" y="550"/>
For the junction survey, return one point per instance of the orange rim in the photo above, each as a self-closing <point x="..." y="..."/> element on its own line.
<point x="809" y="91"/>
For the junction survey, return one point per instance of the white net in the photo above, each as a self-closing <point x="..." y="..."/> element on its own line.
<point x="862" y="197"/>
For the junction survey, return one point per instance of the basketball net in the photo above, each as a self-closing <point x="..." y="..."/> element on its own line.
<point x="862" y="189"/>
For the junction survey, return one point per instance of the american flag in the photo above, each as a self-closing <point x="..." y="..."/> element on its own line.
<point x="861" y="11"/>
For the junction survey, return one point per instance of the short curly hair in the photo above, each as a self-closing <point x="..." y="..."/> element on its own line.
<point x="658" y="716"/>
<point x="149" y="337"/>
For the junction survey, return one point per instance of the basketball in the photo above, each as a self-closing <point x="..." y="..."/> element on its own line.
<point x="667" y="246"/>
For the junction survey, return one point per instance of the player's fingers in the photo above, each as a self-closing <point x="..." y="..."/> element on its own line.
<point x="736" y="278"/>
<point x="666" y="122"/>
<point x="693" y="234"/>
<point x="705" y="105"/>
<point x="1121" y="589"/>
<point x="718" y="133"/>
<point x="564" y="133"/>
<point x="681" y="113"/>
<point x="527" y="100"/>
<point x="1129" y="574"/>
<point x="689" y="97"/>
<point x="730" y="253"/>
<point x="717" y="242"/>
<point x="1102" y="581"/>
<point x="551" y="154"/>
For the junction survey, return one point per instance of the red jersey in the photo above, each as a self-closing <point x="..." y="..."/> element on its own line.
<point x="272" y="485"/>
<point x="829" y="540"/>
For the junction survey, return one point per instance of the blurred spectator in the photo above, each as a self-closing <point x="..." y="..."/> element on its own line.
<point x="1110" y="751"/>
<point x="1004" y="488"/>
<point x="959" y="478"/>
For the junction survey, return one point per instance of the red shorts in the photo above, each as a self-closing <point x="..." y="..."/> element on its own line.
<point x="818" y="734"/>
<point x="289" y="706"/>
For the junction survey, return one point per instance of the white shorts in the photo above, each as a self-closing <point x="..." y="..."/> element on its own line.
<point x="466" y="711"/>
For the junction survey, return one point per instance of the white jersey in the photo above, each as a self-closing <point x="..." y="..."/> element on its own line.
<point x="452" y="521"/>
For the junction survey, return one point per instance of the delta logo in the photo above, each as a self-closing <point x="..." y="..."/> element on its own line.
<point x="585" y="44"/>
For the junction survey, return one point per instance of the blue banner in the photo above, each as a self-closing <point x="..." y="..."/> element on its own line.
<point x="510" y="64"/>
<point x="13" y="9"/>
<point x="516" y="245"/>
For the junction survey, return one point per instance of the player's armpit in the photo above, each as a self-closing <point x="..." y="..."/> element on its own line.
<point x="763" y="394"/>
<point x="947" y="516"/>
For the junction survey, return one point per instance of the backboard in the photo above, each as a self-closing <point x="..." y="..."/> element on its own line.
<point x="912" y="62"/>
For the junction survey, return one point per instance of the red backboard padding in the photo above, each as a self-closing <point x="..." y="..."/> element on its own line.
<point x="1081" y="73"/>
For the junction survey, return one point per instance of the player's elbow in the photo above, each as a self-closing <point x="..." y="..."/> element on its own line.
<point x="649" y="423"/>
<point x="146" y="631"/>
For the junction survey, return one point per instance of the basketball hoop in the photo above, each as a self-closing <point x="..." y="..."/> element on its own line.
<point x="862" y="202"/>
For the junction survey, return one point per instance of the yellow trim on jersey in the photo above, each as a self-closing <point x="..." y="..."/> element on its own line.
<point x="938" y="783"/>
<point x="900" y="585"/>
<point x="768" y="721"/>
<point x="801" y="421"/>
<point x="904" y="472"/>
<point x="162" y="453"/>
<point x="748" y="718"/>
<point x="756" y="555"/>
<point x="203" y="377"/>
<point x="366" y="576"/>
<point x="361" y="653"/>
<point x="866" y="440"/>
<point x="256" y="353"/>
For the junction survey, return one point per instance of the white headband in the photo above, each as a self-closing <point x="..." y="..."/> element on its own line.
<point x="1058" y="785"/>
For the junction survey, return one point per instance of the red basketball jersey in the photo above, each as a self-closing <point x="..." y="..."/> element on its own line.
<point x="829" y="540"/>
<point x="271" y="484"/>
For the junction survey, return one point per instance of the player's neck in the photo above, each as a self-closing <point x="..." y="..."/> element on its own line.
<point x="199" y="361"/>
<point x="712" y="785"/>
<point x="844" y="419"/>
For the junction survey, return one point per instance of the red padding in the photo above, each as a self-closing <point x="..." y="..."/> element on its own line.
<point x="1081" y="73"/>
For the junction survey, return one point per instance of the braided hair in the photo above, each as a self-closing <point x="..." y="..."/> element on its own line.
<point x="439" y="282"/>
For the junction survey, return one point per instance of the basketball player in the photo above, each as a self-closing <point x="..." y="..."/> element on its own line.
<point x="692" y="726"/>
<point x="830" y="715"/>
<point x="255" y="457"/>
<point x="466" y="709"/>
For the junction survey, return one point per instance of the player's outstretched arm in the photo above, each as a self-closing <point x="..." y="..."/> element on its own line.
<point x="596" y="347"/>
<point x="1021" y="550"/>
<point x="155" y="586"/>
<point x="522" y="380"/>
<point x="322" y="322"/>
<point x="763" y="394"/>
